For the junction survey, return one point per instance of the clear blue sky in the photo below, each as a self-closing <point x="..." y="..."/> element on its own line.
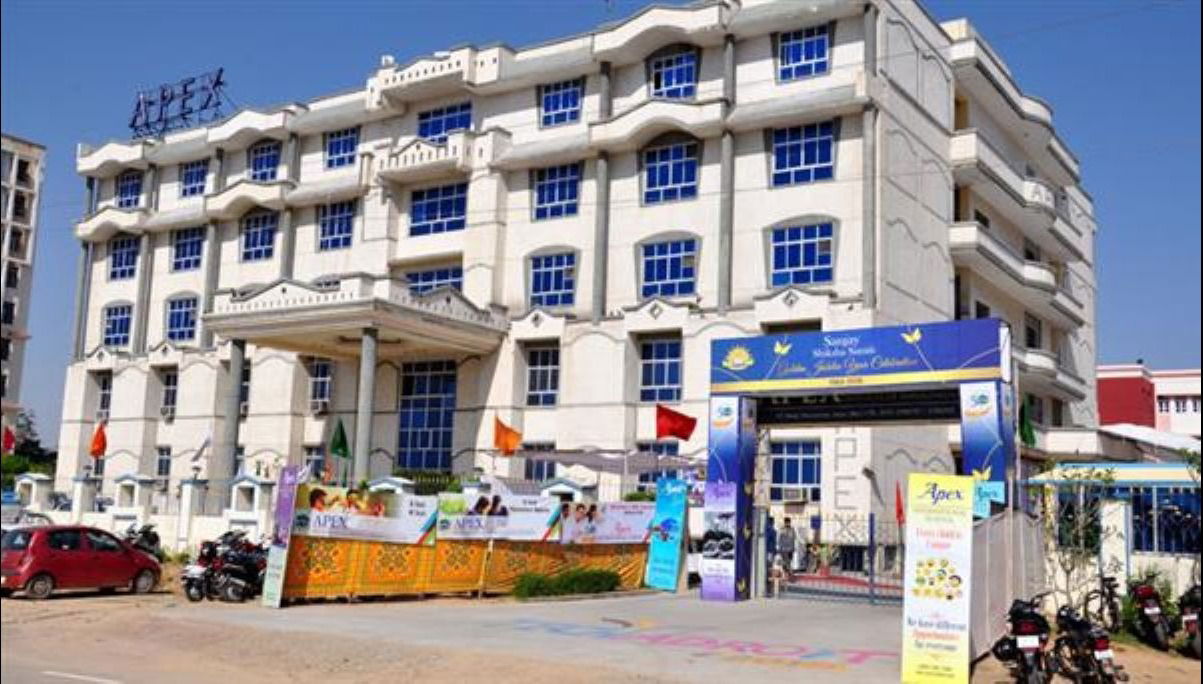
<point x="1121" y="75"/>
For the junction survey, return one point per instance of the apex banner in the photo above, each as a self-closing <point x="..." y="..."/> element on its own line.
<point x="497" y="516"/>
<point x="342" y="513"/>
<point x="612" y="522"/>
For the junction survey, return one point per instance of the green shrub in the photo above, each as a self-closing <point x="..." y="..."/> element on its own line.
<point x="580" y="581"/>
<point x="639" y="496"/>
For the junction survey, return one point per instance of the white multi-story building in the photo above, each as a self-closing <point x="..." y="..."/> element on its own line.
<point x="1177" y="393"/>
<point x="553" y="236"/>
<point x="20" y="191"/>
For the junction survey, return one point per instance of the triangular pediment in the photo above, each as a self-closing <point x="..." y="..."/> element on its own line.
<point x="656" y="313"/>
<point x="279" y="291"/>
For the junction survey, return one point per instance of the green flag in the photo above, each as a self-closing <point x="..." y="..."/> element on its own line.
<point x="1027" y="434"/>
<point x="338" y="443"/>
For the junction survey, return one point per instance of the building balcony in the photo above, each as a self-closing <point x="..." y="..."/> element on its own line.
<point x="443" y="73"/>
<point x="418" y="160"/>
<point x="1044" y="373"/>
<point x="635" y="127"/>
<point x="329" y="321"/>
<point x="249" y="126"/>
<point x="633" y="39"/>
<point x="235" y="200"/>
<point x="109" y="221"/>
<point x="111" y="158"/>
<point x="1031" y="283"/>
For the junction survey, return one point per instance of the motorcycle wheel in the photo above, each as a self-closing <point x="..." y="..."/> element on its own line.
<point x="232" y="592"/>
<point x="1035" y="677"/>
<point x="193" y="591"/>
<point x="1160" y="636"/>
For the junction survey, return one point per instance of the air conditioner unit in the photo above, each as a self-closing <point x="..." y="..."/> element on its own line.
<point x="319" y="407"/>
<point x="794" y="495"/>
<point x="243" y="409"/>
<point x="168" y="413"/>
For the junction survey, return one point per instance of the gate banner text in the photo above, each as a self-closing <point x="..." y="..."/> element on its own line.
<point x="518" y="518"/>
<point x="613" y="522"/>
<point x="341" y="513"/>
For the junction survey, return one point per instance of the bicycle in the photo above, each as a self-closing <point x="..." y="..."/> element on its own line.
<point x="1102" y="606"/>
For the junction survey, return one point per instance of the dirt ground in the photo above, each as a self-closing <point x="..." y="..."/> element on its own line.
<point x="1143" y="664"/>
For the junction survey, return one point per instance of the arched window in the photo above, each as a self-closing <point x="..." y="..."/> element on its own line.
<point x="263" y="161"/>
<point x="672" y="72"/>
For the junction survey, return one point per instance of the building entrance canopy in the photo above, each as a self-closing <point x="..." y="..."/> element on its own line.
<point x="329" y="320"/>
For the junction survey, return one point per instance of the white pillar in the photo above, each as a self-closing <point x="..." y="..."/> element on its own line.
<point x="83" y="496"/>
<point x="190" y="493"/>
<point x="363" y="413"/>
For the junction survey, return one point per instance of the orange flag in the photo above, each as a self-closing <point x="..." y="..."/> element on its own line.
<point x="505" y="438"/>
<point x="100" y="443"/>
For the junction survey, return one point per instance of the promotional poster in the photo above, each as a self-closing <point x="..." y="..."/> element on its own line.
<point x="613" y="522"/>
<point x="725" y="565"/>
<point x="667" y="533"/>
<point x="277" y="554"/>
<point x="987" y="438"/>
<point x="341" y="513"/>
<point x="497" y="516"/>
<point x="939" y="554"/>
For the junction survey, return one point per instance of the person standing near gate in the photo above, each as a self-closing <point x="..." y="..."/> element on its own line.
<point x="770" y="554"/>
<point x="787" y="541"/>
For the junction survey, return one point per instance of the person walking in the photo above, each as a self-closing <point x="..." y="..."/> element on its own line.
<point x="770" y="555"/>
<point x="787" y="541"/>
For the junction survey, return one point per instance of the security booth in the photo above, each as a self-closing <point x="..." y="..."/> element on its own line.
<point x="905" y="384"/>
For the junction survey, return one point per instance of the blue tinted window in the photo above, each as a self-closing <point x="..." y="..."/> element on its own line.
<point x="660" y="370"/>
<point x="186" y="247"/>
<point x="560" y="103"/>
<point x="803" y="255"/>
<point x="421" y="282"/>
<point x="669" y="268"/>
<point x="647" y="480"/>
<point x="538" y="469"/>
<point x="129" y="189"/>
<point x="802" y="53"/>
<point x="557" y="191"/>
<point x="123" y="258"/>
<point x="192" y="177"/>
<point x="803" y="154"/>
<point x="796" y="464"/>
<point x="427" y="415"/>
<point x="436" y="124"/>
<point x="335" y="225"/>
<point x="675" y="75"/>
<point x="259" y="236"/>
<point x="542" y="375"/>
<point x="181" y="319"/>
<point x="340" y="147"/>
<point x="438" y="210"/>
<point x="117" y="325"/>
<point x="263" y="160"/>
<point x="320" y="372"/>
<point x="553" y="280"/>
<point x="670" y="173"/>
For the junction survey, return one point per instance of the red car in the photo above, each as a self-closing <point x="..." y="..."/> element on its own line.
<point x="40" y="560"/>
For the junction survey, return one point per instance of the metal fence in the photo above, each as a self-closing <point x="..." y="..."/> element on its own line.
<point x="844" y="558"/>
<point x="1008" y="563"/>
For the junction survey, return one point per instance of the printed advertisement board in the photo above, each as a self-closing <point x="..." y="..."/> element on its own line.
<point x="518" y="518"/>
<point x="725" y="565"/>
<point x="341" y="513"/>
<point x="613" y="522"/>
<point x="667" y="535"/>
<point x="939" y="554"/>
<point x="987" y="438"/>
<point x="277" y="553"/>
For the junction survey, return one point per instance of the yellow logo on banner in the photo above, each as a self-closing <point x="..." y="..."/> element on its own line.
<point x="739" y="358"/>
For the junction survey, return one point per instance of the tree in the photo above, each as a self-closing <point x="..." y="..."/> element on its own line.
<point x="1074" y="528"/>
<point x="29" y="455"/>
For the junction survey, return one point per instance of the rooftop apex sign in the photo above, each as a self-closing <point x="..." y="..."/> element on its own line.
<point x="172" y="106"/>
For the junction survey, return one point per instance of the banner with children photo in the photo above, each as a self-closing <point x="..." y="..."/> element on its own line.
<point x="498" y="516"/>
<point x="613" y="522"/>
<point x="343" y="513"/>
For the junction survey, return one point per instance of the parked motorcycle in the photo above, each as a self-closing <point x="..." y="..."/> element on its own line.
<point x="1151" y="621"/>
<point x="1083" y="650"/>
<point x="1023" y="648"/>
<point x="145" y="539"/>
<point x="1188" y="608"/>
<point x="231" y="568"/>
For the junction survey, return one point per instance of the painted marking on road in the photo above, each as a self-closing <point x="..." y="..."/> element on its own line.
<point x="79" y="677"/>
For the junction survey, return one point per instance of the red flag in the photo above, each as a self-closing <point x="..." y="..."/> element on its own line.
<point x="10" y="441"/>
<point x="669" y="423"/>
<point x="505" y="438"/>
<point x="899" y="508"/>
<point x="100" y="443"/>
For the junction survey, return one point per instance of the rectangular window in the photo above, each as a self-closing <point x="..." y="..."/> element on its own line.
<point x="1163" y="404"/>
<point x="669" y="268"/>
<point x="315" y="460"/>
<point x="181" y="319"/>
<point x="123" y="258"/>
<point x="660" y="370"/>
<point x="239" y="461"/>
<point x="803" y="255"/>
<point x="1180" y="404"/>
<point x="264" y="160"/>
<point x="171" y="386"/>
<point x="421" y="282"/>
<point x="670" y="173"/>
<point x="335" y="225"/>
<point x="560" y="103"/>
<point x="675" y="75"/>
<point x="981" y="310"/>
<point x="320" y="374"/>
<point x="104" y="394"/>
<point x="797" y="473"/>
<point x="259" y="236"/>
<point x="427" y="415"/>
<point x="1035" y="406"/>
<point x="163" y="463"/>
<point x="186" y="247"/>
<point x="542" y="375"/>
<point x="1033" y="332"/>
<point x="802" y="53"/>
<point x="438" y="210"/>
<point x="129" y="189"/>
<point x="192" y="177"/>
<point x="802" y="154"/>
<point x="117" y="325"/>
<point x="557" y="191"/>
<point x="553" y="280"/>
<point x="436" y="124"/>
<point x="340" y="147"/>
<point x="244" y="389"/>
<point x="538" y="469"/>
<point x="10" y="313"/>
<point x="647" y="480"/>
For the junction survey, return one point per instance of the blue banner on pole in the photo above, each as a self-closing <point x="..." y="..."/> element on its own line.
<point x="667" y="528"/>
<point x="987" y="440"/>
<point x="727" y="540"/>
